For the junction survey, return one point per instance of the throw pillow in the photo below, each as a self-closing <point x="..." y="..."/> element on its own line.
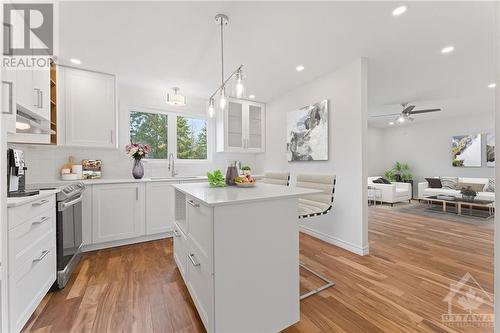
<point x="473" y="186"/>
<point x="491" y="185"/>
<point x="434" y="182"/>
<point x="385" y="181"/>
<point x="449" y="182"/>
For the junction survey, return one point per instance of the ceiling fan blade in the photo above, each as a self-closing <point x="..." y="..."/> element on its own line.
<point x="385" y="115"/>
<point x="408" y="109"/>
<point x="425" y="111"/>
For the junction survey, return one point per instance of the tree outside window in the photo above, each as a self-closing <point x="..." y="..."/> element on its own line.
<point x="150" y="128"/>
<point x="191" y="138"/>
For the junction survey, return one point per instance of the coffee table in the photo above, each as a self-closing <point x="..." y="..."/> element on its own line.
<point x="460" y="206"/>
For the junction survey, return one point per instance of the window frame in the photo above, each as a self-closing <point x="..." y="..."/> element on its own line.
<point x="172" y="134"/>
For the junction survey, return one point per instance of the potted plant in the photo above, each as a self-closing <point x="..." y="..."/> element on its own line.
<point x="246" y="170"/>
<point x="468" y="194"/>
<point x="400" y="172"/>
<point x="138" y="151"/>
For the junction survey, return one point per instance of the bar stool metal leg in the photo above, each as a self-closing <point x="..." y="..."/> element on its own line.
<point x="317" y="290"/>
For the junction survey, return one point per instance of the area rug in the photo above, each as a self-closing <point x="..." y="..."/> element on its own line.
<point x="423" y="210"/>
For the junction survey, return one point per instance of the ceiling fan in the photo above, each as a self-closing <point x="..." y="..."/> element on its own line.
<point x="406" y="114"/>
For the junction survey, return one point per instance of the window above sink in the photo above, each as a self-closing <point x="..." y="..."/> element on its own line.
<point x="186" y="136"/>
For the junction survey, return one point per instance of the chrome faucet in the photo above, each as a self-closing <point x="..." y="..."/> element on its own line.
<point x="171" y="165"/>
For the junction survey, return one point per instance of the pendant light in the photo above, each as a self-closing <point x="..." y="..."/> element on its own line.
<point x="239" y="88"/>
<point x="222" y="20"/>
<point x="176" y="98"/>
<point x="211" y="108"/>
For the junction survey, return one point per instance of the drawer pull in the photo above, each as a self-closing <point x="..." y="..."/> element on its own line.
<point x="192" y="203"/>
<point x="41" y="202"/>
<point x="193" y="260"/>
<point x="176" y="233"/>
<point x="40" y="258"/>
<point x="43" y="219"/>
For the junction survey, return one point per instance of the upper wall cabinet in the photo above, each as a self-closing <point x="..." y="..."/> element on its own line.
<point x="241" y="127"/>
<point x="86" y="108"/>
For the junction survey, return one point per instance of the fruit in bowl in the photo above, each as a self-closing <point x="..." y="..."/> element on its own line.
<point x="245" y="181"/>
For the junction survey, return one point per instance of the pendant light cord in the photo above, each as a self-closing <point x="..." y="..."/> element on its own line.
<point x="222" y="50"/>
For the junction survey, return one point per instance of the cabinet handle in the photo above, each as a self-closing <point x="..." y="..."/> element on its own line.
<point x="40" y="258"/>
<point x="176" y="233"/>
<point x="193" y="260"/>
<point x="43" y="219"/>
<point x="36" y="96"/>
<point x="112" y="138"/>
<point x="41" y="99"/>
<point x="39" y="203"/>
<point x="192" y="203"/>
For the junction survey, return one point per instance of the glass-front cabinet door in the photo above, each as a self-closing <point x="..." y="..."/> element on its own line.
<point x="241" y="127"/>
<point x="235" y="130"/>
<point x="255" y="127"/>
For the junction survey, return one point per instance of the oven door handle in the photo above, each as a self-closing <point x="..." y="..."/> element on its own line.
<point x="64" y="205"/>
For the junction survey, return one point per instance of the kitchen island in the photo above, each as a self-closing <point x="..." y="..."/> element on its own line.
<point x="237" y="250"/>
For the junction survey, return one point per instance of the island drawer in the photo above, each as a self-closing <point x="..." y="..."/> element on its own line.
<point x="180" y="250"/>
<point x="200" y="282"/>
<point x="200" y="225"/>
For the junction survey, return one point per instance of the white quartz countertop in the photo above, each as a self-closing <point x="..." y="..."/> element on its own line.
<point x="219" y="196"/>
<point x="14" y="202"/>
<point x="123" y="180"/>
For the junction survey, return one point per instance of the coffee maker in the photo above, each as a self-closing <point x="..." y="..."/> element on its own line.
<point x="16" y="174"/>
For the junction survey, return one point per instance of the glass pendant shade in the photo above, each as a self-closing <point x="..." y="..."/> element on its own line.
<point x="211" y="108"/>
<point x="239" y="88"/>
<point x="222" y="99"/>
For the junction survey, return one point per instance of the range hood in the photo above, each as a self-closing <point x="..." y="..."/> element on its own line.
<point x="30" y="123"/>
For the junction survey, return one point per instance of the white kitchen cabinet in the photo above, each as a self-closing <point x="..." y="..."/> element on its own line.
<point x="241" y="127"/>
<point x="41" y="87"/>
<point x="117" y="212"/>
<point x="87" y="108"/>
<point x="33" y="92"/>
<point x="9" y="100"/>
<point x="159" y="207"/>
<point x="31" y="257"/>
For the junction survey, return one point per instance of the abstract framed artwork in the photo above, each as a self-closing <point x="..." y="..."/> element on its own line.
<point x="307" y="133"/>
<point x="466" y="150"/>
<point x="490" y="150"/>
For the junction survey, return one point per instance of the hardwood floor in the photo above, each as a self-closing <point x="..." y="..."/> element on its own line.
<point x="399" y="287"/>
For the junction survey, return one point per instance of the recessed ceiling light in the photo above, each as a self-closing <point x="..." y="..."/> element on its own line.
<point x="75" y="61"/>
<point x="399" y="10"/>
<point x="251" y="96"/>
<point x="391" y="123"/>
<point x="299" y="68"/>
<point x="447" y="49"/>
<point x="492" y="85"/>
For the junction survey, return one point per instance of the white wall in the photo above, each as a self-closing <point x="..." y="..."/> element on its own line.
<point x="376" y="165"/>
<point x="44" y="162"/>
<point x="346" y="225"/>
<point x="426" y="146"/>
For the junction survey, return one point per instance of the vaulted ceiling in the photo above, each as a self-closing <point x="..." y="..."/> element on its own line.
<point x="166" y="44"/>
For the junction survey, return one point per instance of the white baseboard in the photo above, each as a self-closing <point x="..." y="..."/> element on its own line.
<point x="121" y="242"/>
<point x="362" y="251"/>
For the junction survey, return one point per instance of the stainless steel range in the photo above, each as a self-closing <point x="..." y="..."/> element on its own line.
<point x="69" y="231"/>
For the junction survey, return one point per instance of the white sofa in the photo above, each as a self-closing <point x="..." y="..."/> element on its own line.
<point x="425" y="191"/>
<point x="392" y="193"/>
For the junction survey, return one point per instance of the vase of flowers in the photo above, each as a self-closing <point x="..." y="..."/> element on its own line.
<point x="138" y="151"/>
